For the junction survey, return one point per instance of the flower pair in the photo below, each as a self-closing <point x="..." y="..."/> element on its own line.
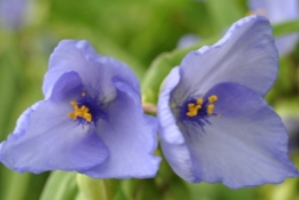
<point x="213" y="121"/>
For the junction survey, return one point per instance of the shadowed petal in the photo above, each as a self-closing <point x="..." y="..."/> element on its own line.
<point x="130" y="137"/>
<point x="245" y="146"/>
<point x="96" y="71"/>
<point x="245" y="55"/>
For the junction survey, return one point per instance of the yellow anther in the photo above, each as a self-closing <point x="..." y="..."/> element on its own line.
<point x="83" y="112"/>
<point x="197" y="107"/>
<point x="72" y="115"/>
<point x="191" y="105"/>
<point x="87" y="117"/>
<point x="191" y="113"/>
<point x="84" y="109"/>
<point x="199" y="101"/>
<point x="210" y="109"/>
<point x="213" y="98"/>
<point x="83" y="94"/>
<point x="74" y="104"/>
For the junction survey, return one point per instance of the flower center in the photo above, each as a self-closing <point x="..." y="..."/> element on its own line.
<point x="86" y="109"/>
<point x="82" y="112"/>
<point x="200" y="107"/>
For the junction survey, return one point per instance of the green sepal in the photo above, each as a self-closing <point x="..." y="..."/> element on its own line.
<point x="94" y="189"/>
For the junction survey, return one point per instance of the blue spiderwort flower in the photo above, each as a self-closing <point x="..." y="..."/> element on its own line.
<point x="278" y="12"/>
<point x="214" y="124"/>
<point x="12" y="13"/>
<point x="90" y="121"/>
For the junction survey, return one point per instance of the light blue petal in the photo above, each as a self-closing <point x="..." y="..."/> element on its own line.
<point x="13" y="13"/>
<point x="187" y="40"/>
<point x="47" y="139"/>
<point x="245" y="55"/>
<point x="0" y="150"/>
<point x="23" y="121"/>
<point x="172" y="140"/>
<point x="245" y="146"/>
<point x="96" y="71"/>
<point x="130" y="137"/>
<point x="277" y="11"/>
<point x="164" y="113"/>
<point x="287" y="43"/>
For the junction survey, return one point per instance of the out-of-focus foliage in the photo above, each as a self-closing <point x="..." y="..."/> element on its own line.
<point x="144" y="35"/>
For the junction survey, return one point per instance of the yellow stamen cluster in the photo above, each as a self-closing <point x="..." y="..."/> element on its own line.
<point x="82" y="111"/>
<point x="194" y="108"/>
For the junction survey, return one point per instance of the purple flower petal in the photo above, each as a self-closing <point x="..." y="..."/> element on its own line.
<point x="245" y="146"/>
<point x="286" y="43"/>
<point x="12" y="13"/>
<point x="187" y="40"/>
<point x="172" y="140"/>
<point x="276" y="11"/>
<point x="47" y="139"/>
<point x="165" y="114"/>
<point x="245" y="55"/>
<point x="279" y="12"/>
<point x="23" y="121"/>
<point x="95" y="70"/>
<point x="130" y="137"/>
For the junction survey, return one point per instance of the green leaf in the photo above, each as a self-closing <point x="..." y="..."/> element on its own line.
<point x="141" y="189"/>
<point x="60" y="186"/>
<point x="8" y="97"/>
<point x="79" y="196"/>
<point x="120" y="195"/>
<point x="223" y="13"/>
<point x="220" y="192"/>
<point x="11" y="182"/>
<point x="94" y="189"/>
<point x="28" y="186"/>
<point x="178" y="190"/>
<point x="285" y="28"/>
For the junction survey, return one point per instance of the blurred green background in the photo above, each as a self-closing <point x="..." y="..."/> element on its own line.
<point x="143" y="34"/>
